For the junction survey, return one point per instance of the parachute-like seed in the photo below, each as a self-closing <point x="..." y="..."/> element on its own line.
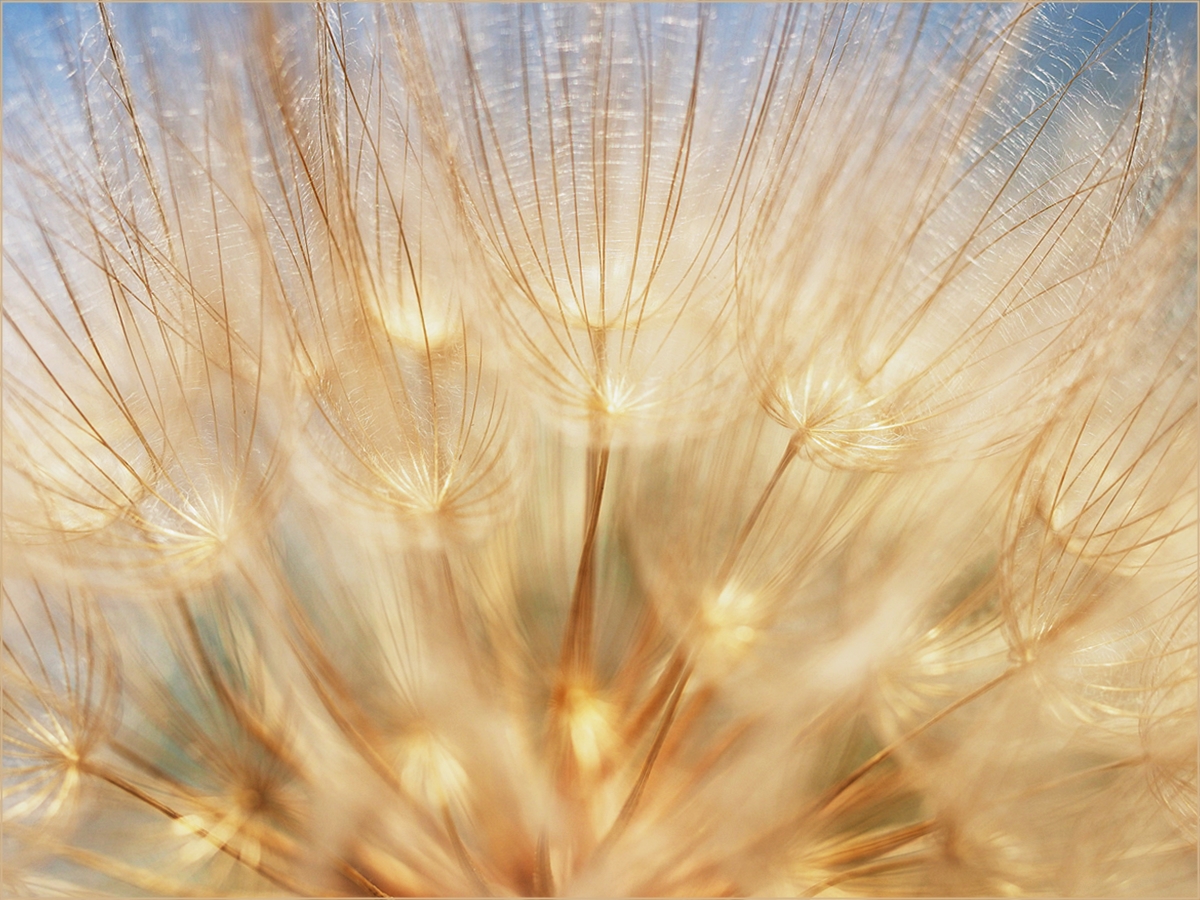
<point x="600" y="450"/>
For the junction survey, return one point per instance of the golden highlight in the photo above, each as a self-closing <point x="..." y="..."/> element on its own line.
<point x="600" y="450"/>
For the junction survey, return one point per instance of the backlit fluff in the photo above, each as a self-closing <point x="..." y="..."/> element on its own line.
<point x="603" y="450"/>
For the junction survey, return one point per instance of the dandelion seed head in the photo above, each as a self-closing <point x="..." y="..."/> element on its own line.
<point x="600" y="450"/>
<point x="421" y="328"/>
<point x="728" y="622"/>
<point x="430" y="770"/>
<point x="838" y="421"/>
<point x="587" y="720"/>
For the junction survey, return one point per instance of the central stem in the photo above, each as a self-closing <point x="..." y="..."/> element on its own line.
<point x="576" y="658"/>
<point x="674" y="679"/>
<point x="751" y="520"/>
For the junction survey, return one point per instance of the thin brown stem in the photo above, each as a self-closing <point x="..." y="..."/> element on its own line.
<point x="735" y="549"/>
<point x="543" y="876"/>
<point x="625" y="816"/>
<point x="828" y="797"/>
<point x="463" y="855"/>
<point x="275" y="745"/>
<point x="576" y="657"/>
<point x="358" y="878"/>
<point x="835" y="790"/>
<point x="267" y="872"/>
<point x="658" y="696"/>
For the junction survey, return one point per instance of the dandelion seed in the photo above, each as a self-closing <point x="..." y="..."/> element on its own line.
<point x="630" y="450"/>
